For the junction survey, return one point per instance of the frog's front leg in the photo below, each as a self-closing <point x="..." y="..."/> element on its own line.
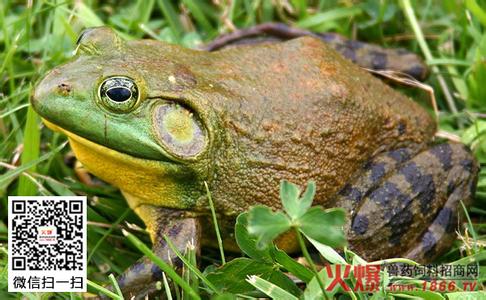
<point x="408" y="204"/>
<point x="140" y="279"/>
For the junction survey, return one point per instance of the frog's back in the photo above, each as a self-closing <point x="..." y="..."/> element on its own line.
<point x="299" y="111"/>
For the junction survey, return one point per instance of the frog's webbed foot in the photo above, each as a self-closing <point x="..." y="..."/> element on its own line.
<point x="366" y="55"/>
<point x="405" y="204"/>
<point x="140" y="279"/>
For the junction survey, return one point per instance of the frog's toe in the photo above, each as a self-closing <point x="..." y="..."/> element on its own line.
<point x="409" y="205"/>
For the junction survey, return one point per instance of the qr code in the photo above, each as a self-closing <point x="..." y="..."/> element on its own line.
<point x="47" y="243"/>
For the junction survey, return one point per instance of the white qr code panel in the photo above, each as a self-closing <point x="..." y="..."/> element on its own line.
<point x="47" y="244"/>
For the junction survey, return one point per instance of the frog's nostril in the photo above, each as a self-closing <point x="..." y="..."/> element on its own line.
<point x="64" y="89"/>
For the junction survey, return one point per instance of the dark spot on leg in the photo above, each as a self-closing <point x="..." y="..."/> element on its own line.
<point x="427" y="192"/>
<point x="138" y="267"/>
<point x="472" y="187"/>
<point x="351" y="193"/>
<point x="346" y="52"/>
<point x="121" y="280"/>
<point x="328" y="37"/>
<point x="377" y="172"/>
<point x="413" y="176"/>
<point x="451" y="186"/>
<point x="443" y="153"/>
<point x="156" y="272"/>
<point x="422" y="185"/>
<point x="428" y="244"/>
<point x="360" y="224"/>
<point x="378" y="60"/>
<point x="399" y="155"/>
<point x="468" y="165"/>
<point x="416" y="71"/>
<point x="175" y="230"/>
<point x="386" y="193"/>
<point x="402" y="128"/>
<point x="353" y="44"/>
<point x="445" y="219"/>
<point x="399" y="225"/>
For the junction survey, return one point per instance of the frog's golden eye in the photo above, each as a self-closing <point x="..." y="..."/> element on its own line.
<point x="179" y="131"/>
<point x="118" y="94"/>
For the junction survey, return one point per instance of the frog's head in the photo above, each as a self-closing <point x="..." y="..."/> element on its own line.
<point x="130" y="113"/>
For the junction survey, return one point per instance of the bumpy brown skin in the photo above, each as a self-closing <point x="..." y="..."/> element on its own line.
<point x="366" y="55"/>
<point x="318" y="118"/>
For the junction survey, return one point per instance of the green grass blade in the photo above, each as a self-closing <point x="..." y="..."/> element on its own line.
<point x="476" y="10"/>
<point x="215" y="222"/>
<point x="172" y="18"/>
<point x="198" y="14"/>
<point x="102" y="290"/>
<point x="114" y="283"/>
<point x="30" y="153"/>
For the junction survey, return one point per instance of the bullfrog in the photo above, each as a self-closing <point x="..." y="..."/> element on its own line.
<point x="159" y="121"/>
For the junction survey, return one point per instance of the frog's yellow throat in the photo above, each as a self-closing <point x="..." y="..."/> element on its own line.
<point x="142" y="181"/>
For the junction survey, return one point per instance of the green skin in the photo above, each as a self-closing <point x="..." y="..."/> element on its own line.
<point x="295" y="110"/>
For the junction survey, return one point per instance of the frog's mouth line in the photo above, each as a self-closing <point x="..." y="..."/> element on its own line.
<point x="105" y="150"/>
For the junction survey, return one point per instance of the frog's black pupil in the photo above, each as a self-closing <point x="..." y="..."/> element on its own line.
<point x="119" y="94"/>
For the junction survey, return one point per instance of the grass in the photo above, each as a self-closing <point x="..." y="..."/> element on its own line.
<point x="35" y="37"/>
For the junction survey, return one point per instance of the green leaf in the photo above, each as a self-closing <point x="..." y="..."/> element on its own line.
<point x="297" y="269"/>
<point x="248" y="243"/>
<point x="355" y="258"/>
<point x="270" y="289"/>
<point x="307" y="197"/>
<point x="465" y="295"/>
<point x="327" y="252"/>
<point x="266" y="225"/>
<point x="328" y="16"/>
<point x="324" y="226"/>
<point x="87" y="16"/>
<point x="289" y="194"/>
<point x="231" y="277"/>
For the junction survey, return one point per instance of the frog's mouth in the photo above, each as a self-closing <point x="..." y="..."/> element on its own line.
<point x="101" y="159"/>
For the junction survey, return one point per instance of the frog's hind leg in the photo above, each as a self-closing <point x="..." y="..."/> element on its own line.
<point x="461" y="185"/>
<point x="140" y="279"/>
<point x="408" y="204"/>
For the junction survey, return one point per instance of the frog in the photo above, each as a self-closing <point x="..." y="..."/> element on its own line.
<point x="162" y="122"/>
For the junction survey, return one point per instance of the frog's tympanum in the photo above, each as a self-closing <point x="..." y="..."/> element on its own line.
<point x="158" y="120"/>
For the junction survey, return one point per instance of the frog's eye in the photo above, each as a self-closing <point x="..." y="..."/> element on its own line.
<point x="179" y="131"/>
<point x="119" y="94"/>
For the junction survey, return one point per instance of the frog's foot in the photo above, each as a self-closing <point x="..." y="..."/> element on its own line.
<point x="363" y="54"/>
<point x="408" y="205"/>
<point x="141" y="278"/>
